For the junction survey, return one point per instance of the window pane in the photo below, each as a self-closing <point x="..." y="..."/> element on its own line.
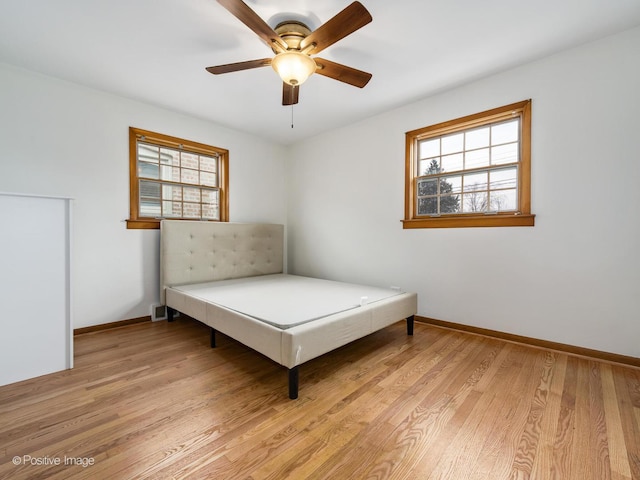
<point x="210" y="197"/>
<point x="210" y="212"/>
<point x="452" y="163"/>
<point x="191" y="194"/>
<point x="210" y="209"/>
<point x="209" y="179"/>
<point x="168" y="173"/>
<point x="429" y="148"/>
<point x="452" y="143"/>
<point x="150" y="208"/>
<point x="424" y="166"/>
<point x="429" y="166"/>
<point x="505" y="132"/>
<point x="504" y="200"/>
<point x="477" y="138"/>
<point x="171" y="192"/>
<point x="148" y="170"/>
<point x="427" y="187"/>
<point x="208" y="164"/>
<point x="169" y="157"/>
<point x="149" y="190"/>
<point x="175" y="175"/>
<point x="189" y="176"/>
<point x="449" y="203"/>
<point x="451" y="184"/>
<point x="191" y="210"/>
<point x="171" y="209"/>
<point x="477" y="158"/>
<point x="428" y="206"/>
<point x="189" y="160"/>
<point x="147" y="152"/>
<point x="504" y="154"/>
<point x="475" y="181"/>
<point x="503" y="178"/>
<point x="474" y="202"/>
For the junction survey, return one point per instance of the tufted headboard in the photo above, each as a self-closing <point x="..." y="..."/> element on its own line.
<point x="197" y="252"/>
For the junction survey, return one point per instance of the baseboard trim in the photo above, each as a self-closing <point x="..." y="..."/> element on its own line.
<point x="108" y="326"/>
<point x="535" y="342"/>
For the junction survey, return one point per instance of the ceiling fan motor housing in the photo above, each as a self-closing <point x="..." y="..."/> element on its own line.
<point x="292" y="32"/>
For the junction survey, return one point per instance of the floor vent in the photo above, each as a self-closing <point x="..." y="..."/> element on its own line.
<point x="158" y="312"/>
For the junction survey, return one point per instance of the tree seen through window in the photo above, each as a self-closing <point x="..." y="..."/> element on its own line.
<point x="436" y="195"/>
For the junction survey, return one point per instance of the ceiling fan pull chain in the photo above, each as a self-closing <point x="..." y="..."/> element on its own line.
<point x="291" y="115"/>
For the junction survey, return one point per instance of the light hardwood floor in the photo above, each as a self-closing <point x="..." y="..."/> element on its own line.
<point x="154" y="401"/>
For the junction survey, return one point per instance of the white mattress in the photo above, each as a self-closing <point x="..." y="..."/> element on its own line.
<point x="285" y="301"/>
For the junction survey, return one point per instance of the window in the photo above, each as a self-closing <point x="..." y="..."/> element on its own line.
<point x="471" y="172"/>
<point x="175" y="178"/>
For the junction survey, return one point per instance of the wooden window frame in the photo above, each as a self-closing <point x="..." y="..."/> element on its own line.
<point x="523" y="217"/>
<point x="136" y="221"/>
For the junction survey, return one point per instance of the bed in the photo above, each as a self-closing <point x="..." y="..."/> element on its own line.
<point x="230" y="276"/>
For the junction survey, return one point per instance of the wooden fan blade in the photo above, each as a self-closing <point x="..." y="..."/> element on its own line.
<point x="290" y="94"/>
<point x="246" y="15"/>
<point x="236" y="67"/>
<point x="349" y="20"/>
<point x="345" y="74"/>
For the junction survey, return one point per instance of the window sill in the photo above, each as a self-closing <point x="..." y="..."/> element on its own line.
<point x="154" y="223"/>
<point x="460" y="221"/>
<point x="143" y="224"/>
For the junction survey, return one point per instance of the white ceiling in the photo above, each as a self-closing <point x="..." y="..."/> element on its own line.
<point x="157" y="50"/>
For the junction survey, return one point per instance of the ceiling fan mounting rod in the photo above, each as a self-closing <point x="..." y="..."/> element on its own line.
<point x="293" y="32"/>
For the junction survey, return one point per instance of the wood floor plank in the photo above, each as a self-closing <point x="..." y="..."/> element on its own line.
<point x="565" y="423"/>
<point x="529" y="441"/>
<point x="620" y="468"/>
<point x="153" y="400"/>
<point x="599" y="438"/>
<point x="544" y="459"/>
<point x="627" y="385"/>
<point x="584" y="432"/>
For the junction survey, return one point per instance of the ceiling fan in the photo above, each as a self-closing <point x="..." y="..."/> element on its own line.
<point x="293" y="44"/>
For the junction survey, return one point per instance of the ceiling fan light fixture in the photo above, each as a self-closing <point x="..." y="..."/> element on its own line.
<point x="293" y="67"/>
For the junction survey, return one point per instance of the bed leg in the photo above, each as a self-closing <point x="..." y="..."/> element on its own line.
<point x="293" y="382"/>
<point x="410" y="325"/>
<point x="170" y="313"/>
<point x="212" y="335"/>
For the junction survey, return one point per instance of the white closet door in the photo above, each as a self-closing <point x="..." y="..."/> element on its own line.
<point x="36" y="331"/>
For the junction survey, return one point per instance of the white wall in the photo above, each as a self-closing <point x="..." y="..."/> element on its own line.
<point x="573" y="278"/>
<point x="58" y="138"/>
